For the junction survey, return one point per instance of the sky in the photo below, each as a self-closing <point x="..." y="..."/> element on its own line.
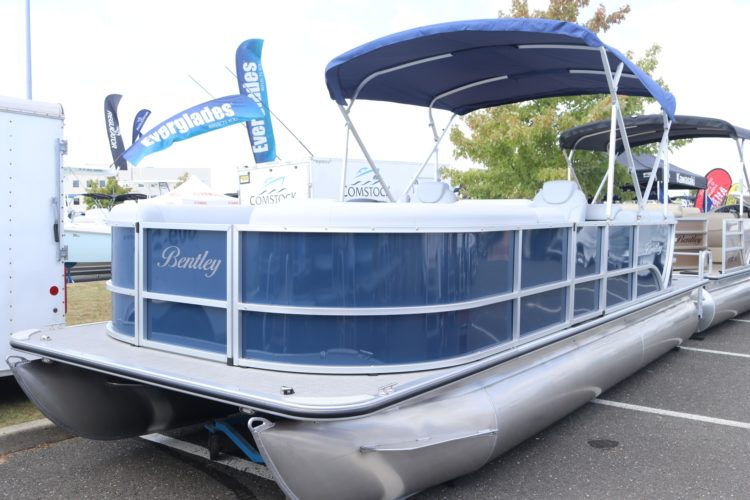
<point x="152" y="51"/>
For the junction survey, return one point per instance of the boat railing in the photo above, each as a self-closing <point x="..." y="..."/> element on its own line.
<point x="735" y="244"/>
<point x="724" y="237"/>
<point x="333" y="301"/>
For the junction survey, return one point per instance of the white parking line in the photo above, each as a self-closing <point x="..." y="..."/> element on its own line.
<point x="711" y="351"/>
<point x="239" y="464"/>
<point x="669" y="413"/>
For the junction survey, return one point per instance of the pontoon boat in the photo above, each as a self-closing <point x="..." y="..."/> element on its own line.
<point x="722" y="236"/>
<point x="382" y="348"/>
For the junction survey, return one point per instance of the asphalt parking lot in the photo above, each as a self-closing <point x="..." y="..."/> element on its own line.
<point x="679" y="428"/>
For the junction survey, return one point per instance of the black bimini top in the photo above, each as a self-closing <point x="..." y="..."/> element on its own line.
<point x="648" y="129"/>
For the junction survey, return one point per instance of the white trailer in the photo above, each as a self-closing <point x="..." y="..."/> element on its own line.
<point x="32" y="255"/>
<point x="321" y="178"/>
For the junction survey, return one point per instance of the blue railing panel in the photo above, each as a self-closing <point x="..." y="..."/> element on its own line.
<point x="374" y="270"/>
<point x="544" y="256"/>
<point x="653" y="242"/>
<point x="123" y="314"/>
<point x="542" y="310"/>
<point x="620" y="247"/>
<point x="186" y="262"/>
<point x="123" y="257"/>
<point x="588" y="250"/>
<point x="186" y="325"/>
<point x="373" y="340"/>
<point x="619" y="289"/>
<point x="647" y="282"/>
<point x="586" y="298"/>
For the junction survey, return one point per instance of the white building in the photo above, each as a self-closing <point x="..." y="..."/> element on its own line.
<point x="150" y="181"/>
<point x="76" y="181"/>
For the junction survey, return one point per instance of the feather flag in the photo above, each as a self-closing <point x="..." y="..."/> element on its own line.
<point x="252" y="83"/>
<point x="205" y="117"/>
<point x="138" y="122"/>
<point x="112" y="123"/>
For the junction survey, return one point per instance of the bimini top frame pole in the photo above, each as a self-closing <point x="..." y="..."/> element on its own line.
<point x="740" y="141"/>
<point x="470" y="65"/>
<point x="616" y="118"/>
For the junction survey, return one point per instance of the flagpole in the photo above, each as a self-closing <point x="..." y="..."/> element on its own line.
<point x="28" y="49"/>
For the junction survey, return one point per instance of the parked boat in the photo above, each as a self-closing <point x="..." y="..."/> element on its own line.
<point x="88" y="238"/>
<point x="723" y="236"/>
<point x="87" y="235"/>
<point x="381" y="348"/>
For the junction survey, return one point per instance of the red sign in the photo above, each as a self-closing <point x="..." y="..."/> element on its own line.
<point x="718" y="182"/>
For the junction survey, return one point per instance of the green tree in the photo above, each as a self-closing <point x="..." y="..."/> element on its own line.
<point x="112" y="188"/>
<point x="517" y="143"/>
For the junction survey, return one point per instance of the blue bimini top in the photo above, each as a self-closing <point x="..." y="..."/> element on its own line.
<point x="469" y="65"/>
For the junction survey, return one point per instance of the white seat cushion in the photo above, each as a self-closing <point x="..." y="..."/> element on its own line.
<point x="433" y="192"/>
<point x="564" y="197"/>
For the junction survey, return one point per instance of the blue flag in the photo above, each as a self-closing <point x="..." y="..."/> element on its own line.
<point x="140" y="120"/>
<point x="197" y="120"/>
<point x="253" y="84"/>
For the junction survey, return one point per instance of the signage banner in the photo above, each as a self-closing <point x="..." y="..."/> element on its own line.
<point x="252" y="83"/>
<point x="718" y="183"/>
<point x="205" y="117"/>
<point x="112" y="123"/>
<point x="140" y="120"/>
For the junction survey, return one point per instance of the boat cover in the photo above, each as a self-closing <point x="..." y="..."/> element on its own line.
<point x="679" y="178"/>
<point x="514" y="60"/>
<point x="648" y="129"/>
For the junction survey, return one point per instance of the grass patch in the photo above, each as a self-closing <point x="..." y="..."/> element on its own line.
<point x="19" y="412"/>
<point x="15" y="408"/>
<point x="88" y="303"/>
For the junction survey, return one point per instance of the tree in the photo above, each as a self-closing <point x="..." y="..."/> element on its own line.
<point x="517" y="143"/>
<point x="182" y="179"/>
<point x="112" y="188"/>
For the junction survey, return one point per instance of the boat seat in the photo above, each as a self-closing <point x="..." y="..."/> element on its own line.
<point x="564" y="197"/>
<point x="598" y="211"/>
<point x="433" y="192"/>
<point x="676" y="210"/>
<point x="627" y="213"/>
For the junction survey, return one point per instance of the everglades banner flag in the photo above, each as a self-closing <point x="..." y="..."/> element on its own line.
<point x="138" y="122"/>
<point x="113" y="130"/>
<point x="197" y="120"/>
<point x="253" y="84"/>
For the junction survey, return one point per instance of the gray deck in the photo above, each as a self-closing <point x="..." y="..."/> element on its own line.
<point x="89" y="346"/>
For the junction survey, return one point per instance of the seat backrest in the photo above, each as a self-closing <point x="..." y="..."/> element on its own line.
<point x="598" y="211"/>
<point x="433" y="192"/>
<point x="564" y="196"/>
